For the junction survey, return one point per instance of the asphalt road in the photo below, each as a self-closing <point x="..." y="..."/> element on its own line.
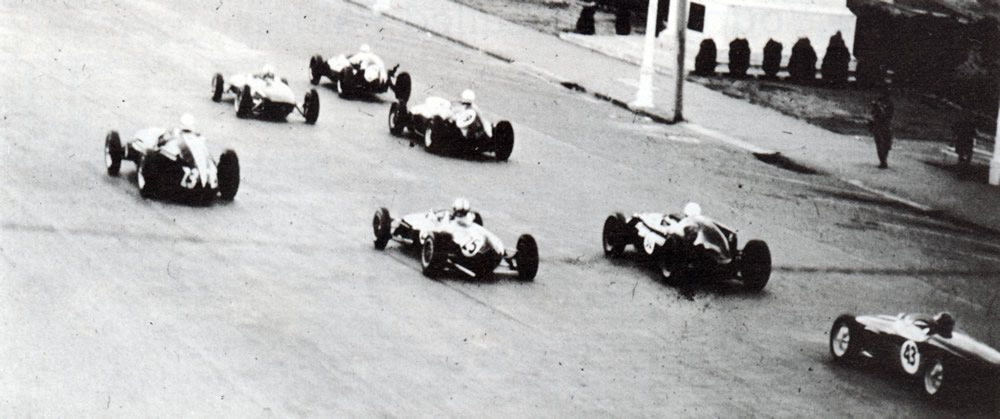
<point x="277" y="305"/>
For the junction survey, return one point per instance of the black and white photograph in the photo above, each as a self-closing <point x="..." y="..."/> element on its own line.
<point x="499" y="208"/>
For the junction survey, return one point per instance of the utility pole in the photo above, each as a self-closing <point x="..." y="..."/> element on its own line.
<point x="995" y="161"/>
<point x="680" y="11"/>
<point x="644" y="97"/>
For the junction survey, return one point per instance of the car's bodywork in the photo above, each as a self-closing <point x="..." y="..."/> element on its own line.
<point x="456" y="243"/>
<point x="688" y="248"/>
<point x="174" y="164"/>
<point x="449" y="128"/>
<point x="919" y="346"/>
<point x="264" y="97"/>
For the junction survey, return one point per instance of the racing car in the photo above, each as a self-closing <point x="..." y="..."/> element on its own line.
<point x="926" y="348"/>
<point x="264" y="96"/>
<point x="688" y="247"/>
<point x="174" y="164"/>
<point x="455" y="240"/>
<point x="448" y="128"/>
<point x="363" y="72"/>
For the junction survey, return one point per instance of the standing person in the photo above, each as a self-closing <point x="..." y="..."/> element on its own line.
<point x="881" y="125"/>
<point x="965" y="138"/>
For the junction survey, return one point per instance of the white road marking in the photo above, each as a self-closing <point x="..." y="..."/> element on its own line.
<point x="725" y="138"/>
<point x="889" y="195"/>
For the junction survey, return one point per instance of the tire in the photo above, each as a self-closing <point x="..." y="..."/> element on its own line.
<point x="613" y="235"/>
<point x="433" y="134"/>
<point x="217" y="83"/>
<point x="229" y="175"/>
<point x="381" y="224"/>
<point x="670" y="271"/>
<point x="845" y="339"/>
<point x="316" y="64"/>
<point x="526" y="257"/>
<point x="431" y="257"/>
<point x="478" y="218"/>
<point x="503" y="140"/>
<point x="340" y="87"/>
<point x="244" y="103"/>
<point x="396" y="119"/>
<point x="113" y="153"/>
<point x="403" y="87"/>
<point x="310" y="107"/>
<point x="755" y="265"/>
<point x="934" y="378"/>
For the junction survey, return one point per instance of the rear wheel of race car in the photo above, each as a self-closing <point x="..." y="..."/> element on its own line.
<point x="755" y="265"/>
<point x="244" y="103"/>
<point x="433" y="134"/>
<point x="403" y="86"/>
<point x="217" y="83"/>
<point x="672" y="271"/>
<point x="113" y="153"/>
<point x="229" y="175"/>
<point x="503" y="140"/>
<point x="310" y="107"/>
<point x="526" y="257"/>
<point x="845" y="339"/>
<point x="396" y="119"/>
<point x="934" y="376"/>
<point x="316" y="64"/>
<point x="341" y="91"/>
<point x="613" y="235"/>
<point x="381" y="224"/>
<point x="431" y="257"/>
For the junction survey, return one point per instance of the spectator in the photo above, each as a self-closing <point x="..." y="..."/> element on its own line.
<point x="965" y="138"/>
<point x="881" y="125"/>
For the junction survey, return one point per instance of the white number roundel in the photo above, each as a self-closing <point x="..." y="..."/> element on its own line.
<point x="909" y="357"/>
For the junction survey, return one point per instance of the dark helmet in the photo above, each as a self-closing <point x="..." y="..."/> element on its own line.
<point x="945" y="323"/>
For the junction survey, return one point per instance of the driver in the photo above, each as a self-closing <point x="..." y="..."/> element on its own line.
<point x="364" y="57"/>
<point x="944" y="323"/>
<point x="460" y="211"/>
<point x="267" y="73"/>
<point x="465" y="112"/>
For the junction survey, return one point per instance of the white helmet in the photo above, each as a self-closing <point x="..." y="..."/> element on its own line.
<point x="468" y="96"/>
<point x="268" y="71"/>
<point x="365" y="48"/>
<point x="187" y="122"/>
<point x="460" y="207"/>
<point x="692" y="209"/>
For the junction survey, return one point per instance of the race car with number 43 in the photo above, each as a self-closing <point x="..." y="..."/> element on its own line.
<point x="455" y="240"/>
<point x="928" y="349"/>
<point x="174" y="164"/>
<point x="688" y="247"/>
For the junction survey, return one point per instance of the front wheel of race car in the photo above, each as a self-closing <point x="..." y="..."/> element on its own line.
<point x="229" y="175"/>
<point x="381" y="225"/>
<point x="431" y="257"/>
<point x="396" y="112"/>
<point x="503" y="140"/>
<point x="526" y="257"/>
<point x="310" y="107"/>
<point x="755" y="265"/>
<point x="613" y="235"/>
<point x="403" y="86"/>
<point x="217" y="84"/>
<point x="477" y="218"/>
<point x="114" y="152"/>
<point x="316" y="64"/>
<point x="845" y="339"/>
<point x="244" y="103"/>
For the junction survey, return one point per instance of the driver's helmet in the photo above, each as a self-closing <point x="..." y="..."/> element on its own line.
<point x="468" y="96"/>
<point x="460" y="208"/>
<point x="365" y="48"/>
<point x="945" y="323"/>
<point x="692" y="209"/>
<point x="267" y="72"/>
<point x="187" y="122"/>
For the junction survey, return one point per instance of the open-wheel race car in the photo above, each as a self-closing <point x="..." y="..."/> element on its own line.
<point x="455" y="240"/>
<point x="361" y="73"/>
<point x="688" y="247"/>
<point x="265" y="96"/>
<point x="926" y="348"/>
<point x="174" y="164"/>
<point x="452" y="128"/>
